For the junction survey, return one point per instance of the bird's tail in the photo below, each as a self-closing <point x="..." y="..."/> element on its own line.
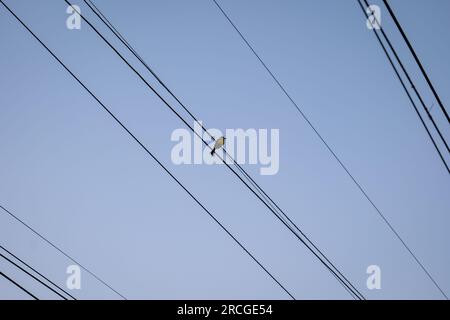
<point x="212" y="152"/>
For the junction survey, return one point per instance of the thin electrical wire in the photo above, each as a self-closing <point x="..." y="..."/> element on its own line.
<point x="261" y="192"/>
<point x="419" y="96"/>
<point x="18" y="285"/>
<point x="55" y="246"/>
<point x="144" y="148"/>
<point x="400" y="63"/>
<point x="37" y="272"/>
<point x="237" y="175"/>
<point x="359" y="186"/>
<point x="416" y="58"/>
<point x="417" y="111"/>
<point x="31" y="275"/>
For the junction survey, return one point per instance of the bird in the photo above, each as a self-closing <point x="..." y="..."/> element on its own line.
<point x="219" y="144"/>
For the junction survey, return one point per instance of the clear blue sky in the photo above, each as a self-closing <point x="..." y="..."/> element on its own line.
<point x="71" y="173"/>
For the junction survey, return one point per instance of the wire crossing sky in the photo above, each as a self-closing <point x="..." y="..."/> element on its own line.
<point x="411" y="49"/>
<point x="41" y="276"/>
<point x="18" y="286"/>
<point x="428" y="132"/>
<point x="333" y="152"/>
<point x="259" y="193"/>
<point x="4" y="210"/>
<point x="82" y="184"/>
<point x="148" y="152"/>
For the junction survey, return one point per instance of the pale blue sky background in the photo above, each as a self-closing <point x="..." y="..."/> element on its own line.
<point x="70" y="172"/>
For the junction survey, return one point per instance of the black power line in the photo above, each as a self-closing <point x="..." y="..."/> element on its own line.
<point x="40" y="274"/>
<point x="260" y="194"/>
<point x="417" y="111"/>
<point x="18" y="286"/>
<point x="31" y="275"/>
<point x="116" y="32"/>
<point x="144" y="148"/>
<point x="427" y="111"/>
<point x="303" y="115"/>
<point x="397" y="23"/>
<point x="51" y="243"/>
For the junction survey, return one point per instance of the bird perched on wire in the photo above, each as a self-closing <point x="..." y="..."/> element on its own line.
<point x="219" y="144"/>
